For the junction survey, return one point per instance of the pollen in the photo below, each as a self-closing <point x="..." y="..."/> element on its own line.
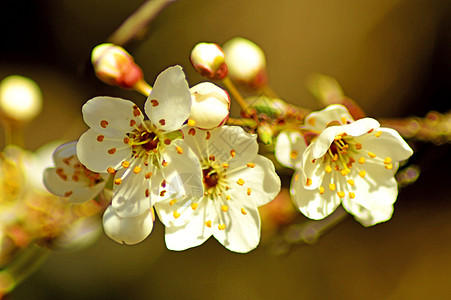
<point x="389" y="166"/>
<point x="191" y="122"/>
<point x="232" y="153"/>
<point x="111" y="170"/>
<point x="371" y="154"/>
<point x="132" y="123"/>
<point x="126" y="140"/>
<point x="358" y="146"/>
<point x="345" y="172"/>
<point x="164" y="163"/>
<point x="309" y="182"/>
<point x="148" y="175"/>
<point x="100" y="138"/>
<point x="208" y="224"/>
<point x="243" y="211"/>
<point x="167" y="142"/>
<point x="112" y="151"/>
<point x="250" y="165"/>
<point x="362" y="173"/>
<point x="387" y="160"/>
<point x="224" y="208"/>
<point x="194" y="205"/>
<point x="117" y="181"/>
<point x="312" y="121"/>
<point x="125" y="164"/>
<point x="154" y="102"/>
<point x="240" y="181"/>
<point x="208" y="135"/>
<point x="332" y="186"/>
<point x="228" y="197"/>
<point x="137" y="169"/>
<point x="162" y="193"/>
<point x="221" y="226"/>
<point x="176" y="214"/>
<point x="351" y="182"/>
<point x="172" y="202"/>
<point x="225" y="166"/>
<point x="179" y="149"/>
<point x="378" y="134"/>
<point x="147" y="193"/>
<point x="341" y="194"/>
<point x="68" y="194"/>
<point x="321" y="190"/>
<point x="351" y="195"/>
<point x="191" y="131"/>
<point x="211" y="158"/>
<point x="136" y="111"/>
<point x="362" y="160"/>
<point x="104" y="123"/>
<point x="162" y="122"/>
<point x="328" y="169"/>
<point x="249" y="191"/>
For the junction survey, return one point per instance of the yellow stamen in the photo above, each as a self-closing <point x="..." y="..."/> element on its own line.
<point x="176" y="214"/>
<point x="328" y="169"/>
<point x="224" y="208"/>
<point x="362" y="160"/>
<point x="240" y="181"/>
<point x="294" y="154"/>
<point x="225" y="166"/>
<point x="351" y="182"/>
<point x="243" y="211"/>
<point x="378" y="134"/>
<point x="341" y="194"/>
<point x="387" y="160"/>
<point x="125" y="164"/>
<point x="172" y="202"/>
<point x="117" y="181"/>
<point x="351" y="195"/>
<point x="191" y="122"/>
<point x="208" y="223"/>
<point x="312" y="121"/>
<point x="232" y="153"/>
<point x="249" y="191"/>
<point x="250" y="165"/>
<point x="389" y="166"/>
<point x="309" y="182"/>
<point x="179" y="150"/>
<point x="221" y="226"/>
<point x="332" y="186"/>
<point x="321" y="190"/>
<point x="194" y="206"/>
<point x="362" y="173"/>
<point x="371" y="154"/>
<point x="137" y="169"/>
<point x="358" y="146"/>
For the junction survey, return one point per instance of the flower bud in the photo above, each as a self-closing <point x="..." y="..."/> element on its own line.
<point x="20" y="98"/>
<point x="115" y="66"/>
<point x="210" y="105"/>
<point x="208" y="59"/>
<point x="246" y="62"/>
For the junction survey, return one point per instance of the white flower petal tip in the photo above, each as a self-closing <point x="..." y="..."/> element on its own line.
<point x="70" y="179"/>
<point x="246" y="62"/>
<point x="128" y="231"/>
<point x="210" y="106"/>
<point x="235" y="182"/>
<point x="208" y="59"/>
<point x="115" y="66"/>
<point x="168" y="105"/>
<point x="349" y="162"/>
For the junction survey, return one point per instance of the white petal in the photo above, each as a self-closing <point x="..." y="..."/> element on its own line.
<point x="127" y="230"/>
<point x="221" y="142"/>
<point x="289" y="147"/>
<point x="195" y="232"/>
<point x="310" y="202"/>
<point x="261" y="183"/>
<point x="242" y="232"/>
<point x="319" y="120"/>
<point x="357" y="128"/>
<point x="115" y="111"/>
<point x="388" y="144"/>
<point x="368" y="217"/>
<point x="132" y="196"/>
<point x="99" y="156"/>
<point x="312" y="169"/>
<point x="182" y="173"/>
<point x="168" y="105"/>
<point x="79" y="191"/>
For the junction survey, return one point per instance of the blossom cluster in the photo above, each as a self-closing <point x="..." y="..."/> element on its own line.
<point x="178" y="160"/>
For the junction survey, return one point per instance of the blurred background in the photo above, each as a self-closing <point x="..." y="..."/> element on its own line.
<point x="391" y="56"/>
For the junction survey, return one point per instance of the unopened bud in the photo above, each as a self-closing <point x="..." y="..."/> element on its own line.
<point x="210" y="105"/>
<point x="115" y="66"/>
<point x="246" y="62"/>
<point x="208" y="59"/>
<point x="20" y="98"/>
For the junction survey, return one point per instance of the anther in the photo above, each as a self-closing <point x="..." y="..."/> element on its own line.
<point x="351" y="182"/>
<point x="68" y="194"/>
<point x="179" y="149"/>
<point x="154" y="102"/>
<point x="176" y="214"/>
<point x="243" y="211"/>
<point x="137" y="169"/>
<point x="309" y="182"/>
<point x="378" y="134"/>
<point x="208" y="224"/>
<point x="240" y="181"/>
<point x="191" y="122"/>
<point x="167" y="142"/>
<point x="321" y="190"/>
<point x="136" y="111"/>
<point x="362" y="160"/>
<point x="228" y="197"/>
<point x="104" y="123"/>
<point x="211" y="158"/>
<point x="358" y="146"/>
<point x="126" y="140"/>
<point x="362" y="173"/>
<point x="249" y="191"/>
<point x="194" y="205"/>
<point x="341" y="194"/>
<point x="389" y="166"/>
<point x="232" y="153"/>
<point x="224" y="208"/>
<point x="225" y="166"/>
<point x="162" y="122"/>
<point x="125" y="164"/>
<point x="351" y="195"/>
<point x="132" y="123"/>
<point x="172" y="202"/>
<point x="148" y="175"/>
<point x="371" y="154"/>
<point x="112" y="151"/>
<point x="117" y="181"/>
<point x="387" y="160"/>
<point x="250" y="165"/>
<point x="191" y="131"/>
<point x="100" y="138"/>
<point x="111" y="170"/>
<point x="221" y="226"/>
<point x="164" y="163"/>
<point x="343" y="120"/>
<point x="328" y="169"/>
<point x="332" y="186"/>
<point x="162" y="193"/>
<point x="312" y="121"/>
<point x="147" y="193"/>
<point x="294" y="154"/>
<point x="208" y="135"/>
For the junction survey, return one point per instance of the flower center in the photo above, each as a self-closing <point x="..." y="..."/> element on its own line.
<point x="210" y="177"/>
<point x="143" y="140"/>
<point x="214" y="178"/>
